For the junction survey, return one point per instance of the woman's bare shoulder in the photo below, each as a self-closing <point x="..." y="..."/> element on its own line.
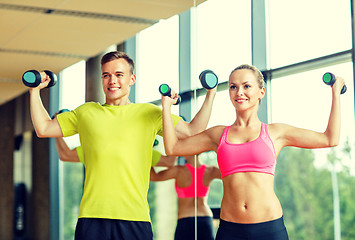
<point x="216" y="131"/>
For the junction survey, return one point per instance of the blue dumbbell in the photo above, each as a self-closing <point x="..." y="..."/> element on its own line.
<point x="208" y="79"/>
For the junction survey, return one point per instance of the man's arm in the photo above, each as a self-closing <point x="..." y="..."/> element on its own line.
<point x="65" y="153"/>
<point x="42" y="122"/>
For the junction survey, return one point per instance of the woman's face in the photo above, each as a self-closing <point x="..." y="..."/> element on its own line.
<point x="244" y="90"/>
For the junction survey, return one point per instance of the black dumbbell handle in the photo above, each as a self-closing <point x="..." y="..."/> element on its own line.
<point x="53" y="78"/>
<point x="165" y="90"/>
<point x="33" y="78"/>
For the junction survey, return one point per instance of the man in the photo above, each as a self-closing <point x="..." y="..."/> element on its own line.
<point x="117" y="139"/>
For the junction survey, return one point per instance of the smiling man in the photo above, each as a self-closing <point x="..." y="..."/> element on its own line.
<point x="116" y="139"/>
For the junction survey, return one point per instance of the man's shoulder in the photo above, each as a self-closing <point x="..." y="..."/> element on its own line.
<point x="89" y="105"/>
<point x="148" y="107"/>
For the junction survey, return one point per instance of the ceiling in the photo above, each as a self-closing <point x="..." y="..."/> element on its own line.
<point x="55" y="34"/>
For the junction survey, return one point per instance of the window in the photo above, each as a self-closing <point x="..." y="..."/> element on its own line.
<point x="71" y="175"/>
<point x="313" y="186"/>
<point x="223" y="36"/>
<point x="302" y="30"/>
<point x="157" y="59"/>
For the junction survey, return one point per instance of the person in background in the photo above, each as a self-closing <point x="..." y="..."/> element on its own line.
<point x="186" y="178"/>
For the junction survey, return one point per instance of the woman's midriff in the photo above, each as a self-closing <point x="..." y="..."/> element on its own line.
<point x="249" y="197"/>
<point x="187" y="207"/>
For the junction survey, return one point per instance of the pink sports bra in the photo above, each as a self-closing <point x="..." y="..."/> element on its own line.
<point x="189" y="192"/>
<point x="255" y="156"/>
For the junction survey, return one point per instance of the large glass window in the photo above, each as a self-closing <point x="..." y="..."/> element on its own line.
<point x="157" y="62"/>
<point x="314" y="186"/>
<point x="71" y="175"/>
<point x="157" y="59"/>
<point x="223" y="38"/>
<point x="302" y="30"/>
<point x="223" y="112"/>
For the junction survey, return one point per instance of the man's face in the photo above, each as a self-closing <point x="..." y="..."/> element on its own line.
<point x="116" y="79"/>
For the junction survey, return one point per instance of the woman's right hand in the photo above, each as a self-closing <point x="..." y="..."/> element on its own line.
<point x="167" y="101"/>
<point x="338" y="85"/>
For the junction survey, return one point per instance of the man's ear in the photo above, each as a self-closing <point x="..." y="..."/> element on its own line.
<point x="133" y="80"/>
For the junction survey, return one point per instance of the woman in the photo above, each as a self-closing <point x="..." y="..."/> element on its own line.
<point x="246" y="154"/>
<point x="185" y="182"/>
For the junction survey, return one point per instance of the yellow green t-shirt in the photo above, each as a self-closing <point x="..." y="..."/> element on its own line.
<point x="117" y="149"/>
<point x="155" y="155"/>
<point x="80" y="153"/>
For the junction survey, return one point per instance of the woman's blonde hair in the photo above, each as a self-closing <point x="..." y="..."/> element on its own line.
<point x="259" y="76"/>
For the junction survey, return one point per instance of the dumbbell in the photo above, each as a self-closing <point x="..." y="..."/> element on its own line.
<point x="165" y="90"/>
<point x="329" y="79"/>
<point x="61" y="111"/>
<point x="208" y="79"/>
<point x="33" y="78"/>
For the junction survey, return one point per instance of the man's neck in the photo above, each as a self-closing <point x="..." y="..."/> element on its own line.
<point x="118" y="102"/>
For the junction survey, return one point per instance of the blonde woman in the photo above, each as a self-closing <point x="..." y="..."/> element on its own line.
<point x="246" y="154"/>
